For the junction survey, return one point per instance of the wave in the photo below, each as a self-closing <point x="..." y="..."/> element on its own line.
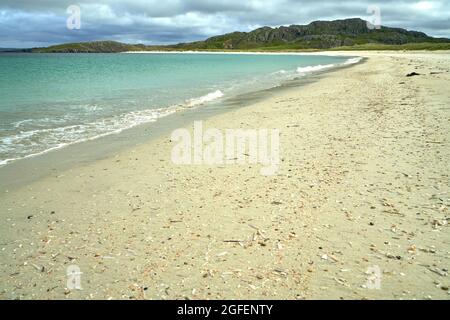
<point x="26" y="144"/>
<point x="282" y="71"/>
<point x="42" y="122"/>
<point x="89" y="107"/>
<point x="353" y="61"/>
<point x="205" y="99"/>
<point x="320" y="67"/>
<point x="314" y="68"/>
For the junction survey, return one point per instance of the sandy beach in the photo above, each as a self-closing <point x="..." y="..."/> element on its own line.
<point x="363" y="185"/>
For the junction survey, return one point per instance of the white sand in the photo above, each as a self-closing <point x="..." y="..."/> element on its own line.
<point x="364" y="182"/>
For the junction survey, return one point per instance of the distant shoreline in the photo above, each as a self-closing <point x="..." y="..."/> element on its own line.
<point x="273" y="53"/>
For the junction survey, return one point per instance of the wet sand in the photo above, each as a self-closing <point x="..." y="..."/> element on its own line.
<point x="363" y="183"/>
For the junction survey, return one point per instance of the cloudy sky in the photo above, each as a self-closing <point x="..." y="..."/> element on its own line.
<point x="30" y="23"/>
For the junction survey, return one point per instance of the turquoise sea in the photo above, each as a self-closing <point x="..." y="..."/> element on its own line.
<point x="48" y="101"/>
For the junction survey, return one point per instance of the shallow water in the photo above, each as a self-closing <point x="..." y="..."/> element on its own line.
<point x="48" y="101"/>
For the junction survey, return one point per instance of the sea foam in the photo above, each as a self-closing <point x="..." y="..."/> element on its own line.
<point x="23" y="143"/>
<point x="60" y="137"/>
<point x="352" y="61"/>
<point x="205" y="99"/>
<point x="314" y="68"/>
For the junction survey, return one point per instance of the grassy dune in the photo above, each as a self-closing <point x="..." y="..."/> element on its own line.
<point x="409" y="46"/>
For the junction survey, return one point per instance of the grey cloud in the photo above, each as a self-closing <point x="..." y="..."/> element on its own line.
<point x="37" y="23"/>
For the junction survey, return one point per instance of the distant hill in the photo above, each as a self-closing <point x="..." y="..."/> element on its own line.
<point x="351" y="34"/>
<point x="316" y="35"/>
<point x="91" y="47"/>
<point x="14" y="50"/>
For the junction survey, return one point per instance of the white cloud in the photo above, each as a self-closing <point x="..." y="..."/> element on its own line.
<point x="423" y="5"/>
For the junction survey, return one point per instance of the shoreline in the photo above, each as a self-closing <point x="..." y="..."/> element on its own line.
<point x="274" y="53"/>
<point x="356" y="53"/>
<point x="363" y="181"/>
<point x="202" y="110"/>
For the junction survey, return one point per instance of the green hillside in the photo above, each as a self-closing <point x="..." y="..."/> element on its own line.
<point x="91" y="47"/>
<point x="316" y="35"/>
<point x="348" y="34"/>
